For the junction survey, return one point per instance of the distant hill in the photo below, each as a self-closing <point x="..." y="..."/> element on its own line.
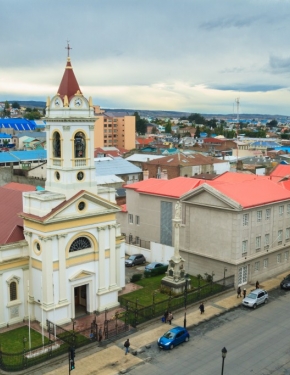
<point x="160" y="113"/>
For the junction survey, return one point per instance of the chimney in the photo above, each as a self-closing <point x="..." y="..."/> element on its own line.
<point x="145" y="174"/>
<point x="164" y="175"/>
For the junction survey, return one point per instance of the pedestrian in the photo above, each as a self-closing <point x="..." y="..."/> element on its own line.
<point x="244" y="292"/>
<point x="257" y="284"/>
<point x="201" y="308"/>
<point x="170" y="317"/>
<point x="127" y="346"/>
<point x="239" y="292"/>
<point x="165" y="316"/>
<point x="100" y="334"/>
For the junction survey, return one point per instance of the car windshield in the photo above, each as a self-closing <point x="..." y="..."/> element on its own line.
<point x="252" y="296"/>
<point x="168" y="335"/>
<point x="131" y="257"/>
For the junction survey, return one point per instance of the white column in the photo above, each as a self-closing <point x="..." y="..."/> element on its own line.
<point x="4" y="302"/>
<point x="112" y="230"/>
<point x="30" y="297"/>
<point x="62" y="282"/>
<point x="47" y="270"/>
<point x="101" y="270"/>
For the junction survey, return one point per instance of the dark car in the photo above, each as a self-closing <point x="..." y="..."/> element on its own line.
<point x="135" y="259"/>
<point x="285" y="283"/>
<point x="153" y="265"/>
<point x="173" y="337"/>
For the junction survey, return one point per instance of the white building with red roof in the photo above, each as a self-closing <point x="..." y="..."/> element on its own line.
<point x="62" y="253"/>
<point x="238" y="222"/>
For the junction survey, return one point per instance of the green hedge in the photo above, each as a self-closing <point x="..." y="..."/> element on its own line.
<point x="136" y="277"/>
<point x="156" y="271"/>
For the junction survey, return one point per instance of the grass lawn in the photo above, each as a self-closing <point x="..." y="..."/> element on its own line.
<point x="12" y="341"/>
<point x="151" y="284"/>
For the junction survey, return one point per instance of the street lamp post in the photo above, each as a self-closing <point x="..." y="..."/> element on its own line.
<point x="224" y="353"/>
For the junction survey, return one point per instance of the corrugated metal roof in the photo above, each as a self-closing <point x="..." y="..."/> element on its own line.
<point x="17" y="124"/>
<point x="16" y="156"/>
<point x="143" y="157"/>
<point x="114" y="166"/>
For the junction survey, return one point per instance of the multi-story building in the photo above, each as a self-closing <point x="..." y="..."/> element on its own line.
<point x="115" y="130"/>
<point x="236" y="224"/>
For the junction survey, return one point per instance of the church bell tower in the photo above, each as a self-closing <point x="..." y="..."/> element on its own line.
<point x="70" y="125"/>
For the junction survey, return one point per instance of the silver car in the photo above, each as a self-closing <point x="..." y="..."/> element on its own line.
<point x="255" y="298"/>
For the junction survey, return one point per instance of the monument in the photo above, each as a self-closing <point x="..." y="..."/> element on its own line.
<point x="175" y="278"/>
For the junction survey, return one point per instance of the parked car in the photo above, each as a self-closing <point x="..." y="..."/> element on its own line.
<point x="135" y="259"/>
<point x="255" y="298"/>
<point x="285" y="283"/>
<point x="153" y="265"/>
<point x="173" y="337"/>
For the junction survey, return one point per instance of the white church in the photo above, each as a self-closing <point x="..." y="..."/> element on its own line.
<point x="61" y="249"/>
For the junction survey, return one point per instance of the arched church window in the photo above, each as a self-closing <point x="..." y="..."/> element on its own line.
<point x="56" y="145"/>
<point x="80" y="145"/>
<point x="80" y="244"/>
<point x="13" y="291"/>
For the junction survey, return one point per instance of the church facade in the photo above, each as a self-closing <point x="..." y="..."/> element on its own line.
<point x="71" y="254"/>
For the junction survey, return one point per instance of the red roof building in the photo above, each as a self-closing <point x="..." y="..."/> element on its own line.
<point x="11" y="225"/>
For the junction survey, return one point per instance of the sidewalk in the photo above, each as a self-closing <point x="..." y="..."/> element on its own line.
<point x="112" y="360"/>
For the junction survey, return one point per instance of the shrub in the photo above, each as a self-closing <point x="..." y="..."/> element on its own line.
<point x="136" y="277"/>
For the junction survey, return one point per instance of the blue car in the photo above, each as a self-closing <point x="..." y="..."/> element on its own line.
<point x="173" y="337"/>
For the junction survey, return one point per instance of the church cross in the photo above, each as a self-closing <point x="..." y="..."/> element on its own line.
<point x="68" y="48"/>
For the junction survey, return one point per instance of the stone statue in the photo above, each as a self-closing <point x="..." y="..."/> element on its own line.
<point x="177" y="210"/>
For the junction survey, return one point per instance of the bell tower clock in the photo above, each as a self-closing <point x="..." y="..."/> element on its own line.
<point x="70" y="125"/>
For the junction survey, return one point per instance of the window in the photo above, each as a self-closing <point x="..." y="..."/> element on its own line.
<point x="80" y="244"/>
<point x="137" y="220"/>
<point x="244" y="247"/>
<point x="267" y="240"/>
<point x="259" y="216"/>
<point x="288" y="208"/>
<point x="56" y="145"/>
<point x="279" y="258"/>
<point x="286" y="256"/>
<point x="257" y="266"/>
<point x="80" y="145"/>
<point x="131" y="220"/>
<point x="268" y="213"/>
<point x="280" y="237"/>
<point x="13" y="291"/>
<point x="265" y="263"/>
<point x="258" y="243"/>
<point x="245" y="219"/>
<point x="281" y="210"/>
<point x="287" y="235"/>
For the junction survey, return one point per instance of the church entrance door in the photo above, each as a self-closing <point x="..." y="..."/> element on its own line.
<point x="80" y="294"/>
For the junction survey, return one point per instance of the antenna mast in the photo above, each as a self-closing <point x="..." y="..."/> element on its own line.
<point x="238" y="124"/>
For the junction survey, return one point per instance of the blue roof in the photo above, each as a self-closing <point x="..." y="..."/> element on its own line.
<point x="116" y="166"/>
<point x="265" y="144"/>
<point x="17" y="156"/>
<point x="4" y="135"/>
<point x="17" y="124"/>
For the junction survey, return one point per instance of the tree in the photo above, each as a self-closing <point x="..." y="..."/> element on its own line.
<point x="15" y="105"/>
<point x="168" y="127"/>
<point x="141" y="124"/>
<point x="7" y="105"/>
<point x="197" y="118"/>
<point x="273" y="123"/>
<point x="197" y="132"/>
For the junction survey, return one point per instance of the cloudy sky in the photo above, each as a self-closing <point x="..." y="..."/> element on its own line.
<point x="183" y="55"/>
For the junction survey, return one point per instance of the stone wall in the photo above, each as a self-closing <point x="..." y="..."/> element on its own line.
<point x="6" y="176"/>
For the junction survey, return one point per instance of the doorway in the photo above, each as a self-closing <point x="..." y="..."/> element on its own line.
<point x="243" y="275"/>
<point x="80" y="296"/>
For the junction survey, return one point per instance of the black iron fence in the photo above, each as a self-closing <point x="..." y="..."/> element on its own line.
<point x="60" y="339"/>
<point x="138" y="314"/>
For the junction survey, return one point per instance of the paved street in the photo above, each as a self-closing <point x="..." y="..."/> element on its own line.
<point x="257" y="341"/>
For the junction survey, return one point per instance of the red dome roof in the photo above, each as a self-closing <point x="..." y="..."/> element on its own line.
<point x="69" y="85"/>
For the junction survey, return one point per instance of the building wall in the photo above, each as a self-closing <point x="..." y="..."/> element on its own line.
<point x="115" y="131"/>
<point x="148" y="208"/>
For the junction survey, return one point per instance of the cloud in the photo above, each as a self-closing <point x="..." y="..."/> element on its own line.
<point x="279" y="64"/>
<point x="234" y="21"/>
<point x="249" y="88"/>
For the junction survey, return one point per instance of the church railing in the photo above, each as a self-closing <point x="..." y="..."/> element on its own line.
<point x="57" y="162"/>
<point x="80" y="162"/>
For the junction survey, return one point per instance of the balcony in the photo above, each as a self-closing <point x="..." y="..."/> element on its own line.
<point x="80" y="162"/>
<point x="57" y="162"/>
